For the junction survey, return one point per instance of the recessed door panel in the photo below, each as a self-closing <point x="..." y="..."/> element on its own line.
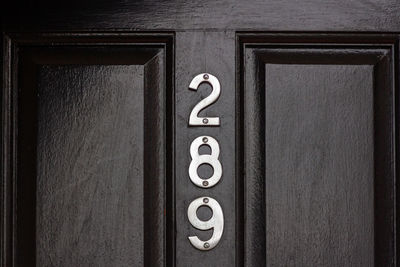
<point x="319" y="165"/>
<point x="93" y="160"/>
<point x="318" y="160"/>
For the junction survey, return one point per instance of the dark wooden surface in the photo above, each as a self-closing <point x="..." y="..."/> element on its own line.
<point x="204" y="47"/>
<point x="308" y="136"/>
<point x="319" y="165"/>
<point x="251" y="15"/>
<point x="92" y="161"/>
<point x="318" y="161"/>
<point x="86" y="208"/>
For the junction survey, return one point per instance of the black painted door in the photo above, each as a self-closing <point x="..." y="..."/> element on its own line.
<point x="96" y="137"/>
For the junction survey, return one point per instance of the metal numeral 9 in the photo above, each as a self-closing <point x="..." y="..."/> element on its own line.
<point x="216" y="222"/>
<point x="211" y="160"/>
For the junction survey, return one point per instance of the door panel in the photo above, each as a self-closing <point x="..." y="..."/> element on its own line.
<point x="318" y="155"/>
<point x="319" y="162"/>
<point x="92" y="162"/>
<point x="80" y="198"/>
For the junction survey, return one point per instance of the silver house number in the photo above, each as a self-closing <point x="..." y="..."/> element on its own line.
<point x="216" y="222"/>
<point x="211" y="160"/>
<point x="194" y="119"/>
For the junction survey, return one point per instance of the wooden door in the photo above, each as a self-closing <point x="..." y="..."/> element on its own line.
<point x="96" y="137"/>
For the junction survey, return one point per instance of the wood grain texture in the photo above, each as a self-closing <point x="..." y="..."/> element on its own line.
<point x="92" y="161"/>
<point x="318" y="160"/>
<point x="193" y="37"/>
<point x="197" y="53"/>
<point x="90" y="171"/>
<point x="253" y="15"/>
<point x="319" y="165"/>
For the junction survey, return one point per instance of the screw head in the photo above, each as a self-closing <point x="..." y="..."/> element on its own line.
<point x="205" y="183"/>
<point x="206" y="245"/>
<point x="205" y="120"/>
<point x="205" y="139"/>
<point x="205" y="76"/>
<point x="205" y="200"/>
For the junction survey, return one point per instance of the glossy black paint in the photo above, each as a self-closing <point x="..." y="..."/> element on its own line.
<point x="225" y="15"/>
<point x="323" y="143"/>
<point x="204" y="47"/>
<point x="51" y="50"/>
<point x="85" y="136"/>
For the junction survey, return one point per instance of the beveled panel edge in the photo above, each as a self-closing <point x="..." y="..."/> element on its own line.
<point x="11" y="45"/>
<point x="312" y="40"/>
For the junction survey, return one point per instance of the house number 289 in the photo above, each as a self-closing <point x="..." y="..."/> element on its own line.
<point x="216" y="222"/>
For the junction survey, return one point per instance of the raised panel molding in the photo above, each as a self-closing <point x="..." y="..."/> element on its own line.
<point x="94" y="89"/>
<point x="344" y="86"/>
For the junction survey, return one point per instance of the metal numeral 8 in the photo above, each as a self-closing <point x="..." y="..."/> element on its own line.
<point x="211" y="160"/>
<point x="216" y="222"/>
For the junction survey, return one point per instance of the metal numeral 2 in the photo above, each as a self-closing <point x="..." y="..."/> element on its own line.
<point x="194" y="119"/>
<point x="216" y="222"/>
